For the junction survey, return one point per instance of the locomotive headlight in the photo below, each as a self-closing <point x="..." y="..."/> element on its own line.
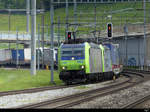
<point x="63" y="68"/>
<point x="72" y="58"/>
<point x="82" y="66"/>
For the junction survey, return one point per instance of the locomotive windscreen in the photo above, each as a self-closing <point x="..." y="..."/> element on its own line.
<point x="69" y="51"/>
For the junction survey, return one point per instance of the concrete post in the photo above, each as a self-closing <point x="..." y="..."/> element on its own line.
<point x="42" y="39"/>
<point x="47" y="26"/>
<point x="28" y="14"/>
<point x="66" y="20"/>
<point x="126" y="50"/>
<point x="17" y="54"/>
<point x="58" y="31"/>
<point x="75" y="17"/>
<point x="9" y="21"/>
<point x="75" y="11"/>
<point x="139" y="53"/>
<point x="52" y="43"/>
<point x="144" y="44"/>
<point x="95" y="20"/>
<point x="33" y="38"/>
<point x="38" y="60"/>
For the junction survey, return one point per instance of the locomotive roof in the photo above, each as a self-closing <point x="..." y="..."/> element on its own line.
<point x="93" y="45"/>
<point x="72" y="45"/>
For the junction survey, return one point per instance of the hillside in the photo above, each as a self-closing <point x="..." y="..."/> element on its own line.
<point x="121" y="13"/>
<point x="103" y="10"/>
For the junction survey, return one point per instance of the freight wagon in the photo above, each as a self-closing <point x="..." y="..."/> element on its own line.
<point x="47" y="55"/>
<point x="5" y="56"/>
<point x="27" y="55"/>
<point x="9" y="56"/>
<point x="24" y="56"/>
<point x="114" y="51"/>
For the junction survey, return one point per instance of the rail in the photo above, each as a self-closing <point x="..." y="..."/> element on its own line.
<point x="137" y="102"/>
<point x="75" y="99"/>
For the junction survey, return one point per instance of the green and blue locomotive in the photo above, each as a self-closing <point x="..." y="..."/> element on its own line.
<point x="84" y="62"/>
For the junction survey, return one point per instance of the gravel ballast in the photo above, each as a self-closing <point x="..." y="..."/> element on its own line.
<point x="11" y="101"/>
<point x="119" y="99"/>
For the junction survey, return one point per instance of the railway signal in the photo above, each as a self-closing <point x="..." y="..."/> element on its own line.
<point x="69" y="35"/>
<point x="109" y="30"/>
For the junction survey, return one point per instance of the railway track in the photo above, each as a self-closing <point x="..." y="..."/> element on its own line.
<point x="139" y="101"/>
<point x="75" y="99"/>
<point x="33" y="90"/>
<point x="135" y="104"/>
<point x="139" y="71"/>
<point x="39" y="89"/>
<point x="134" y="73"/>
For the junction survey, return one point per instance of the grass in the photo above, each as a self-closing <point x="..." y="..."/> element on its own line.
<point x="21" y="79"/>
<point x="19" y="21"/>
<point x="103" y="10"/>
<point x="12" y="46"/>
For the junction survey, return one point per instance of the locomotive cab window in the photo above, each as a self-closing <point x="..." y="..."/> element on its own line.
<point x="66" y="53"/>
<point x="72" y="52"/>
